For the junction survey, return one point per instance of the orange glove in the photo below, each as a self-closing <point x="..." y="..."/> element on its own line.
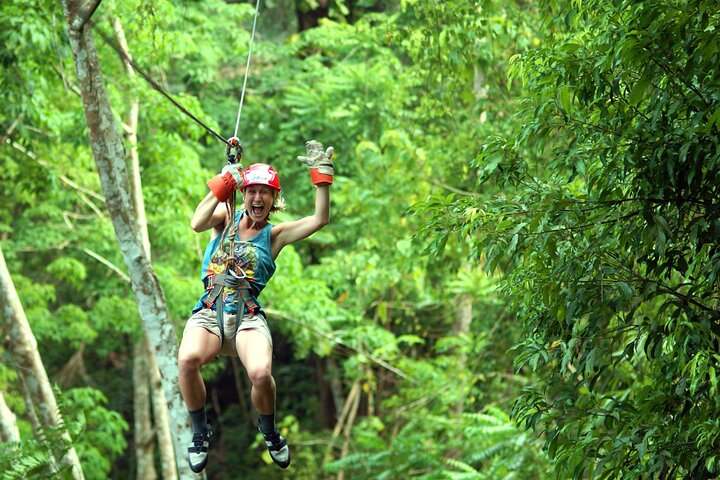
<point x="226" y="182"/>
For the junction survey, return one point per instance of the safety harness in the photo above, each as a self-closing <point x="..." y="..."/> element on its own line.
<point x="216" y="284"/>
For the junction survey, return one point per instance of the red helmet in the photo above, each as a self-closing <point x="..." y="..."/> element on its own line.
<point x="261" y="174"/>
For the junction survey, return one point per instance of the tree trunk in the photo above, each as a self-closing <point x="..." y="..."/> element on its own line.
<point x="350" y="401"/>
<point x="8" y="423"/>
<point x="160" y="411"/>
<point x="326" y="411"/>
<point x="354" y="407"/>
<point x="107" y="151"/>
<point x="309" y="18"/>
<point x="23" y="346"/>
<point x="142" y="425"/>
<point x="335" y="382"/>
<point x="463" y="321"/>
<point x="133" y="159"/>
<point x="162" y="426"/>
<point x="30" y="412"/>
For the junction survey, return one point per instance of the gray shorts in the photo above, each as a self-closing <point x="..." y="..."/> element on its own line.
<point x="207" y="319"/>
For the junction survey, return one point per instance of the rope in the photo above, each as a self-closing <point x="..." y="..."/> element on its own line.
<point x="247" y="68"/>
<point x="230" y="227"/>
<point x="231" y="202"/>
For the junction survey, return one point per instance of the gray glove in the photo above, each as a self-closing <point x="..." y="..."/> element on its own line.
<point x="319" y="160"/>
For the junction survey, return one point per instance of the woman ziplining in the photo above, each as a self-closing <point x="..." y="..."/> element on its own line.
<point x="238" y="263"/>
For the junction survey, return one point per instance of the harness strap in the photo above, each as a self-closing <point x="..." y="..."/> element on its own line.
<point x="215" y="284"/>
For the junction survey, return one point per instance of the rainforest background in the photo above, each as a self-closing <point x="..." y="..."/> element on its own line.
<point x="520" y="276"/>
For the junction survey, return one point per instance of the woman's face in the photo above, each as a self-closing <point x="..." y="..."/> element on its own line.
<point x="258" y="201"/>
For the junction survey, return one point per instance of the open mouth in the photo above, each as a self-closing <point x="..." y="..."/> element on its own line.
<point x="257" y="210"/>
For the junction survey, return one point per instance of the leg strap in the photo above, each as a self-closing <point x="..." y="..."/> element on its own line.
<point x="215" y="284"/>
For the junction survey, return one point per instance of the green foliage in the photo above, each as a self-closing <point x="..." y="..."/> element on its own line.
<point x="68" y="270"/>
<point x="96" y="436"/>
<point x="288" y="293"/>
<point x="604" y="232"/>
<point x="31" y="460"/>
<point x="99" y="433"/>
<point x="471" y="446"/>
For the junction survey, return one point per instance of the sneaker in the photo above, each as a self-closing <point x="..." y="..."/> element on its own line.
<point x="278" y="448"/>
<point x="198" y="452"/>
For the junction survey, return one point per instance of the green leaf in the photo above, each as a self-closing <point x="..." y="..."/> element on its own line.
<point x="637" y="93"/>
<point x="564" y="99"/>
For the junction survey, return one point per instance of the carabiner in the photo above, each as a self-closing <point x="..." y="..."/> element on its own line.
<point x="242" y="273"/>
<point x="233" y="144"/>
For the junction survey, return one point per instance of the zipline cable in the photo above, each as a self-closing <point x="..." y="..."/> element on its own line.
<point x="157" y="87"/>
<point x="247" y="68"/>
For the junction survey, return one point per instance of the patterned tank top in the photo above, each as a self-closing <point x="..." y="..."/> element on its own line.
<point x="253" y="259"/>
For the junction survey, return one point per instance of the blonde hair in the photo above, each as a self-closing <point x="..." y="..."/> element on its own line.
<point x="278" y="202"/>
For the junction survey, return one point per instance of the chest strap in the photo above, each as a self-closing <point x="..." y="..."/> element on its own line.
<point x="216" y="284"/>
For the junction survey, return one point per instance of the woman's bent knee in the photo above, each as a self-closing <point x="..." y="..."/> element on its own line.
<point x="188" y="362"/>
<point x="260" y="375"/>
<point x="197" y="348"/>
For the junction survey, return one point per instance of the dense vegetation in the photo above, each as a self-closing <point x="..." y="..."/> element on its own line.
<point x="520" y="277"/>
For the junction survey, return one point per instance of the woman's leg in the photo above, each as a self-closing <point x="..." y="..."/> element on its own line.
<point x="197" y="348"/>
<point x="255" y="353"/>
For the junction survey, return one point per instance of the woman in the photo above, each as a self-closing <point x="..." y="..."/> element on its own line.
<point x="238" y="262"/>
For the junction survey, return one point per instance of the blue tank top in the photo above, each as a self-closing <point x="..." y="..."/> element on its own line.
<point x="253" y="259"/>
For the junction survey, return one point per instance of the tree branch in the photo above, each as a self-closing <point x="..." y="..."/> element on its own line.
<point x="82" y="19"/>
<point x="663" y="288"/>
<point x="445" y="185"/>
<point x="62" y="177"/>
<point x="336" y="340"/>
<point x="73" y="88"/>
<point x="108" y="264"/>
<point x="10" y="131"/>
<point x="674" y="75"/>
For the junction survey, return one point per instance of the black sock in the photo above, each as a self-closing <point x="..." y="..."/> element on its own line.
<point x="266" y="423"/>
<point x="199" y="420"/>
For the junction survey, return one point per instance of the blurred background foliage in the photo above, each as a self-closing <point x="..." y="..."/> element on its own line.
<point x="520" y="276"/>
